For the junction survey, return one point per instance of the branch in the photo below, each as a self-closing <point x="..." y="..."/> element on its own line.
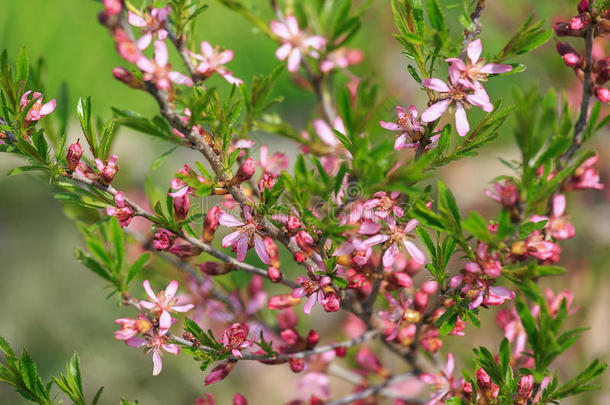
<point x="204" y="247"/>
<point x="475" y="17"/>
<point x="287" y="356"/>
<point x="381" y="389"/>
<point x="587" y="92"/>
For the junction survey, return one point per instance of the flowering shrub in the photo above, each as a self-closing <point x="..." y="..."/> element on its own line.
<point x="351" y="223"/>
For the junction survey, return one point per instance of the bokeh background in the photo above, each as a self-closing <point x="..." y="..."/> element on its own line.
<point x="53" y="306"/>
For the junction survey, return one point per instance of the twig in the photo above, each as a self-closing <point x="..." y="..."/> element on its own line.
<point x="286" y="357"/>
<point x="475" y="17"/>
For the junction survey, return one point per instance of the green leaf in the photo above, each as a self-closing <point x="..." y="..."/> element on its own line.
<point x="23" y="65"/>
<point x="161" y="159"/>
<point x="137" y="266"/>
<point x="23" y="169"/>
<point x="435" y="16"/>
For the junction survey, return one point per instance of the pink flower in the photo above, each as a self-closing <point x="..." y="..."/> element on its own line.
<point x="538" y="247"/>
<point x="313" y="287"/>
<point x="444" y="383"/>
<point x="341" y="59"/>
<point x="525" y="389"/>
<point x="127" y="49"/>
<point x="409" y="126"/>
<point x="506" y="194"/>
<point x="586" y="176"/>
<point x="332" y="159"/>
<point x="152" y="24"/>
<point x="295" y="43"/>
<point x="37" y="110"/>
<point x="487" y="262"/>
<point x="369" y="362"/>
<point x="121" y="211"/>
<point x="398" y="237"/>
<point x="208" y="400"/>
<point x="163" y="303"/>
<point x="360" y="251"/>
<point x="397" y="312"/>
<point x="236" y="339"/>
<point x="513" y="329"/>
<point x="559" y="225"/>
<point x="131" y="327"/>
<point x="239" y="399"/>
<point x="274" y="164"/>
<point x="385" y="204"/>
<point x="248" y="233"/>
<point x="459" y="93"/>
<point x="108" y="169"/>
<point x="156" y="343"/>
<point x="475" y="69"/>
<point x="159" y="71"/>
<point x="213" y="60"/>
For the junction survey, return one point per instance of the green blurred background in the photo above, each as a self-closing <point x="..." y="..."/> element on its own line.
<point x="52" y="306"/>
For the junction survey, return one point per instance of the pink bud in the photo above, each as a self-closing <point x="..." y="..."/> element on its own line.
<point x="290" y="336"/>
<point x="367" y="360"/>
<point x="331" y="302"/>
<point x="401" y="279"/>
<point x="312" y="338"/>
<point x="341" y="351"/>
<point x="293" y="223"/>
<point x="430" y="287"/>
<point x="580" y="21"/>
<point x="239" y="399"/>
<point x="163" y="239"/>
<point x="571" y="59"/>
<point x="421" y="301"/>
<point x="275" y="275"/>
<point x="246" y="170"/>
<point x="467" y="390"/>
<point x="296" y="365"/>
<point x="526" y="386"/>
<point x="299" y="257"/>
<point x="282" y="301"/>
<point x="483" y="380"/>
<point x="208" y="400"/>
<point x="287" y="319"/>
<point x="107" y="170"/>
<point x="603" y="94"/>
<point x="74" y="154"/>
<point x="113" y="7"/>
<point x="211" y="223"/>
<point x="125" y="76"/>
<point x="214" y="268"/>
<point x="563" y="48"/>
<point x="583" y="6"/>
<point x="563" y="29"/>
<point x="184" y="250"/>
<point x="219" y="372"/>
<point x="182" y="205"/>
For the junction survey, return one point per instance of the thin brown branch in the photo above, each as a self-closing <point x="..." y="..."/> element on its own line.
<point x="475" y="17"/>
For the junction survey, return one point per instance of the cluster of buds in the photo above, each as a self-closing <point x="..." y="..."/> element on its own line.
<point x="588" y="19"/>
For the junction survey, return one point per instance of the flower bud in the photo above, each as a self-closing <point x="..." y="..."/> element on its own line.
<point x="125" y="76"/>
<point x="580" y="21"/>
<point x="603" y="94"/>
<point x="239" y="399"/>
<point x="113" y="7"/>
<point x="367" y="360"/>
<point x="299" y="257"/>
<point x="583" y="6"/>
<point x="467" y="391"/>
<point x="273" y="252"/>
<point x="563" y="30"/>
<point x="290" y="336"/>
<point x="107" y="170"/>
<point x="331" y="302"/>
<point x="429" y="287"/>
<point x="563" y="48"/>
<point x="400" y="279"/>
<point x="214" y="268"/>
<point x="312" y="338"/>
<point x="358" y="280"/>
<point x="210" y="224"/>
<point x="287" y="319"/>
<point x="246" y="170"/>
<point x="524" y="391"/>
<point x="220" y="372"/>
<point x="293" y="223"/>
<point x="341" y="351"/>
<point x="182" y="203"/>
<point x="74" y="154"/>
<point x="208" y="400"/>
<point x="275" y="275"/>
<point x="163" y="239"/>
<point x="571" y="59"/>
<point x="184" y="250"/>
<point x="296" y="365"/>
<point x="421" y="301"/>
<point x="282" y="301"/>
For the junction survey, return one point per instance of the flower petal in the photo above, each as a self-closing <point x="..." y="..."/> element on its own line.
<point x="436" y="85"/>
<point x="461" y="121"/>
<point x="474" y="50"/>
<point x="157" y="363"/>
<point x="437" y="109"/>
